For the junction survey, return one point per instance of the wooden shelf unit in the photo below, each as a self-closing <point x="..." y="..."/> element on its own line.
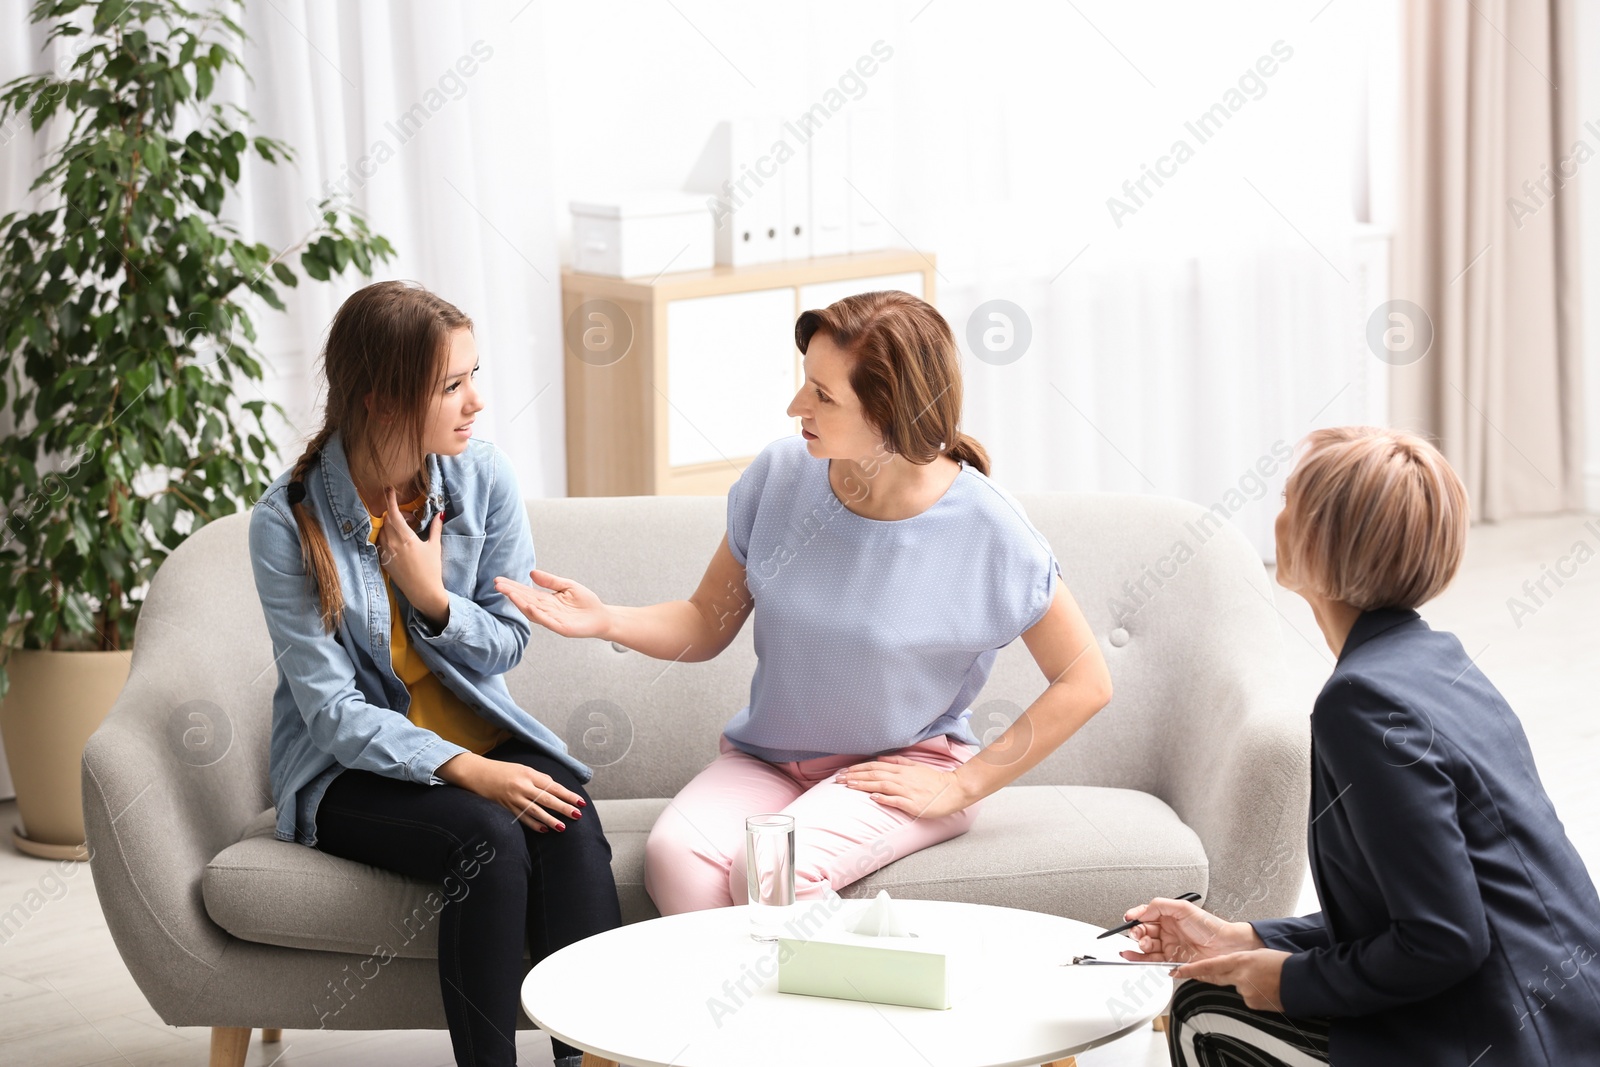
<point x="730" y="334"/>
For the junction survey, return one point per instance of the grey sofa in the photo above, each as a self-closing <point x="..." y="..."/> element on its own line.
<point x="1195" y="777"/>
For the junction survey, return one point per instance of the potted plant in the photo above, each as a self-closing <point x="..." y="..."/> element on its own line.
<point x="126" y="338"/>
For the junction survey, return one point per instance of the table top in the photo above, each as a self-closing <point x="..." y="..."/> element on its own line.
<point x="694" y="990"/>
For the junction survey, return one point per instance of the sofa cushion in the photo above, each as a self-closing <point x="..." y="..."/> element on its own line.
<point x="1080" y="851"/>
<point x="282" y="893"/>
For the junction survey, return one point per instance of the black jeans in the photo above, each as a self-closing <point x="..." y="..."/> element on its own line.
<point x="504" y="885"/>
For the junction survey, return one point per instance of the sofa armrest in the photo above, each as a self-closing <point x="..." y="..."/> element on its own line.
<point x="1243" y="784"/>
<point x="155" y="812"/>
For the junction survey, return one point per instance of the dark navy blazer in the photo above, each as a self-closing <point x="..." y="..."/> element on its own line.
<point x="1459" y="925"/>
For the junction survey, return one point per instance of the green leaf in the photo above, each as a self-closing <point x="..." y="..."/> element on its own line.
<point x="82" y="537"/>
<point x="55" y="539"/>
<point x="77" y="614"/>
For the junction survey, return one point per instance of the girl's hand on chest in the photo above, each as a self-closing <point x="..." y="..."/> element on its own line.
<point x="416" y="566"/>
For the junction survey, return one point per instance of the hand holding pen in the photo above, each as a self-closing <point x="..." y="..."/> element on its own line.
<point x="1193" y="898"/>
<point x="1179" y="931"/>
<point x="1093" y="961"/>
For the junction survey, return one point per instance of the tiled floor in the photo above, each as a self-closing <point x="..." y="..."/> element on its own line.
<point x="67" y="1001"/>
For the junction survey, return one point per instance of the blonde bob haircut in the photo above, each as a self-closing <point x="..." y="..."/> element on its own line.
<point x="1377" y="518"/>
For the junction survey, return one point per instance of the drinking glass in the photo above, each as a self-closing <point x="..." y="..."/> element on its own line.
<point x="769" y="872"/>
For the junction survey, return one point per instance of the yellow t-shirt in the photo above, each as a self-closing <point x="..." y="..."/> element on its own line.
<point x="433" y="705"/>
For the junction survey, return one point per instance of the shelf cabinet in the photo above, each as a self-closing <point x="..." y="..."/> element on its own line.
<point x="674" y="383"/>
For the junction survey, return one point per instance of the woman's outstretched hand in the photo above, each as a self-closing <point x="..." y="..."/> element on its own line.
<point x="560" y="606"/>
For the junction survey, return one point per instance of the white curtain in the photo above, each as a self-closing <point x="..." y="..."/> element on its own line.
<point x="431" y="119"/>
<point x="1169" y="354"/>
<point x="1186" y="333"/>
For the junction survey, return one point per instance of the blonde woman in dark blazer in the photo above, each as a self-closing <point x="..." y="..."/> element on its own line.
<point x="1458" y="926"/>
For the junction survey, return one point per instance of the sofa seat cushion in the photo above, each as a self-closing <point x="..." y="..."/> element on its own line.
<point x="283" y="893"/>
<point x="1084" y="852"/>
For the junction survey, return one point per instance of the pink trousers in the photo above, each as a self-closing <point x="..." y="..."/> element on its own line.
<point x="694" y="858"/>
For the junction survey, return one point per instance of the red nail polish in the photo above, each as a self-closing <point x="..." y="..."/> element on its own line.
<point x="582" y="803"/>
<point x="561" y="826"/>
<point x="577" y="815"/>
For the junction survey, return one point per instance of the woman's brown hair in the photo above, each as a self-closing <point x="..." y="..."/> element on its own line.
<point x="907" y="372"/>
<point x="390" y="340"/>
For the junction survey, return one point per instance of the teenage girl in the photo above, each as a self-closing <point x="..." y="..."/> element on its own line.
<point x="395" y="741"/>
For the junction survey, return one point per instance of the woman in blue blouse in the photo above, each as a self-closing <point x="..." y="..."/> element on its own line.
<point x="884" y="571"/>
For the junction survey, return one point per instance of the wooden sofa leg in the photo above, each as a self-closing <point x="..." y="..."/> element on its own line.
<point x="591" y="1060"/>
<point x="1070" y="1061"/>
<point x="1159" y="1023"/>
<point x="229" y="1045"/>
<point x="268" y="1036"/>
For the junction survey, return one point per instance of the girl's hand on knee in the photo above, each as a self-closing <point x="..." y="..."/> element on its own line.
<point x="917" y="789"/>
<point x="533" y="797"/>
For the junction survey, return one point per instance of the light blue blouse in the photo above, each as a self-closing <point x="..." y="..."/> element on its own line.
<point x="873" y="635"/>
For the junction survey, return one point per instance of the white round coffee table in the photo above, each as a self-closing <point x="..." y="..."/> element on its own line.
<point x="694" y="990"/>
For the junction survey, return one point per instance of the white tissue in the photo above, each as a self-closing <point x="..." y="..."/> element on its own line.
<point x="881" y="919"/>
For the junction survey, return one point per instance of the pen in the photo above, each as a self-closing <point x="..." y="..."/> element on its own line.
<point x="1193" y="898"/>
<point x="1090" y="961"/>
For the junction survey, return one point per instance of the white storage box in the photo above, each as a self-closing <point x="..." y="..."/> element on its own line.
<point x="642" y="234"/>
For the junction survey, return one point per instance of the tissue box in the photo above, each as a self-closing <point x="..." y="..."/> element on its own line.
<point x="641" y="234"/>
<point x="837" y="962"/>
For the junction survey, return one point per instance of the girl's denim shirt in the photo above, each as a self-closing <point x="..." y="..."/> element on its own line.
<point x="338" y="701"/>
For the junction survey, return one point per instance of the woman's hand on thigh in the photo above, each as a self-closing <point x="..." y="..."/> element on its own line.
<point x="917" y="789"/>
<point x="535" y="798"/>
